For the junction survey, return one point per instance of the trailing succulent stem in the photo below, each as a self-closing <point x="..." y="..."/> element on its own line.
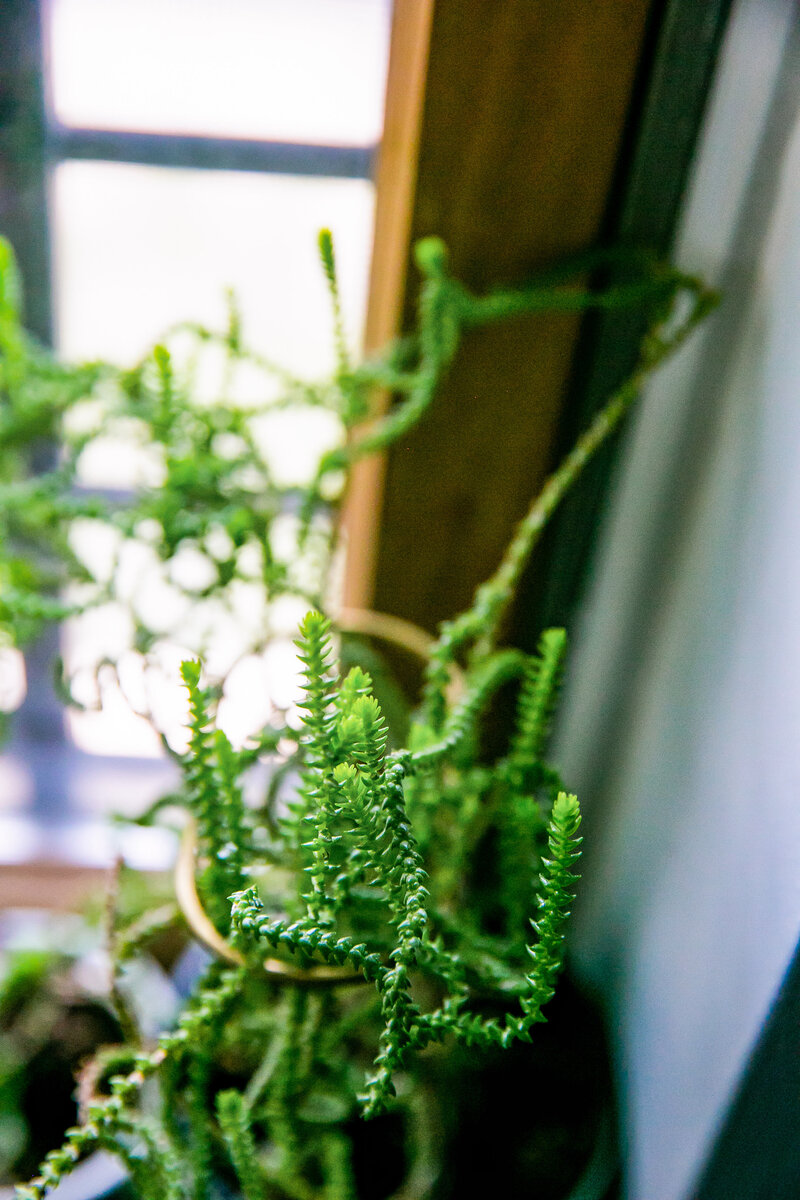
<point x="350" y="896"/>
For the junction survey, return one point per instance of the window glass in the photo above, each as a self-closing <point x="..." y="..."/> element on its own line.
<point x="280" y="70"/>
<point x="16" y="787"/>
<point x="139" y="248"/>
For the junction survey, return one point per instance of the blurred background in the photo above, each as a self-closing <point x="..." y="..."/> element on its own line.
<point x="154" y="153"/>
<point x="189" y="149"/>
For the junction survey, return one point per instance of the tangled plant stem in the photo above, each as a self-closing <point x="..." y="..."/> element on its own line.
<point x="371" y="862"/>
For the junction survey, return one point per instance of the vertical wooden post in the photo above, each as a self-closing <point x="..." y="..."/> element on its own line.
<point x="396" y="187"/>
<point x="504" y="123"/>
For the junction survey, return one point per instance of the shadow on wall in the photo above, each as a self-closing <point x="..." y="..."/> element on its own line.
<point x="688" y="655"/>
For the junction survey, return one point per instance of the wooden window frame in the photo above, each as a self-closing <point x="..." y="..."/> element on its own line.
<point x="520" y="133"/>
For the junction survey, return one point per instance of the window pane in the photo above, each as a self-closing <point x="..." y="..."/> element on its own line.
<point x="16" y="786"/>
<point x="140" y="248"/>
<point x="280" y="70"/>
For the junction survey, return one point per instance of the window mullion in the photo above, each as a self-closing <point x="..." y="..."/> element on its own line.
<point x="215" y="153"/>
<point x="39" y="723"/>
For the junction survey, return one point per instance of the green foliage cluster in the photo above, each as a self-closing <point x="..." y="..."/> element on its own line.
<point x="50" y="1022"/>
<point x="212" y="534"/>
<point x="361" y="934"/>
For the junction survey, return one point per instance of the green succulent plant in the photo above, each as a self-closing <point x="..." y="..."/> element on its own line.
<point x="352" y="932"/>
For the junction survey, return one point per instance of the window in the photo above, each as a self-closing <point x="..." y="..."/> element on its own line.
<point x="189" y="147"/>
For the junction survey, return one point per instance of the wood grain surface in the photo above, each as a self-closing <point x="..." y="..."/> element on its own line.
<point x="503" y="132"/>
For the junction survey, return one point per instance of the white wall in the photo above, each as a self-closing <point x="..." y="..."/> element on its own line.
<point x="682" y="719"/>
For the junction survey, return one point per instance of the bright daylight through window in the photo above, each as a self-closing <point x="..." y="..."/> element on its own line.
<point x="196" y="149"/>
